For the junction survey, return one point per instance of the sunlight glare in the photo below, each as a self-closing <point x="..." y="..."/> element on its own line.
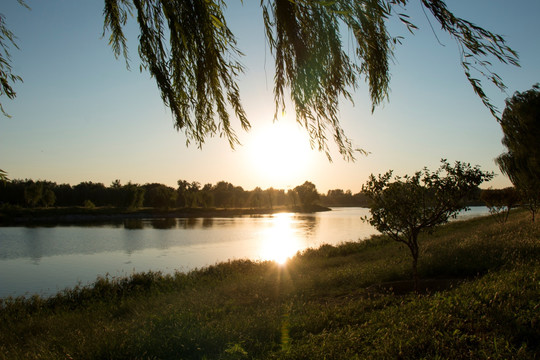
<point x="280" y="153"/>
<point x="280" y="241"/>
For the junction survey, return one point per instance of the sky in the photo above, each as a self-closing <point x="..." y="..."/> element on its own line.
<point x="80" y="115"/>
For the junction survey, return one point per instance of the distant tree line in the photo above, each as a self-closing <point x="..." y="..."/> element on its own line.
<point x="338" y="197"/>
<point x="30" y="193"/>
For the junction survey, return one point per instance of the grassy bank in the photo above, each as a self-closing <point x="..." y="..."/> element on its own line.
<point x="481" y="300"/>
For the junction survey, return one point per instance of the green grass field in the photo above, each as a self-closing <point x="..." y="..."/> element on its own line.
<point x="480" y="300"/>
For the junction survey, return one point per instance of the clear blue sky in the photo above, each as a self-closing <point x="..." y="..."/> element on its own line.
<point x="81" y="116"/>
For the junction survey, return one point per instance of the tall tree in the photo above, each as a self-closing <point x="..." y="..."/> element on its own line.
<point x="224" y="194"/>
<point x="307" y="194"/>
<point x="255" y="199"/>
<point x="48" y="198"/>
<point x="520" y="123"/>
<point x="159" y="196"/>
<point x="206" y="196"/>
<point x="133" y="196"/>
<point x="407" y="206"/>
<point x="33" y="193"/>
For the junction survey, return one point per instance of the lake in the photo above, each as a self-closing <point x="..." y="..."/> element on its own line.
<point x="45" y="260"/>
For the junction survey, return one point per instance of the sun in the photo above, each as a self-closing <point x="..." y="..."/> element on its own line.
<point x="280" y="153"/>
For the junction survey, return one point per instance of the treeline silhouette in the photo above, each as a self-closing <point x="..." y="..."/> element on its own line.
<point x="30" y="193"/>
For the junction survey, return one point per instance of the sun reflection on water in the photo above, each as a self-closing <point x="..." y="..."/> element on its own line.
<point x="280" y="240"/>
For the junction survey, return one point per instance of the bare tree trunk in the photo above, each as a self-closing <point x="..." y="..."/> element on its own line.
<point x="413" y="246"/>
<point x="415" y="273"/>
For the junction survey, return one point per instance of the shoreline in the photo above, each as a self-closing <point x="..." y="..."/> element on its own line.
<point x="77" y="215"/>
<point x="356" y="300"/>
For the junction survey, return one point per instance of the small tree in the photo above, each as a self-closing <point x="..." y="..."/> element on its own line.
<point x="404" y="208"/>
<point x="500" y="201"/>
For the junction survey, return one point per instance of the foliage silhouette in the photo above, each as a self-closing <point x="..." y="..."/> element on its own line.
<point x="500" y="202"/>
<point x="3" y="176"/>
<point x="7" y="78"/>
<point x="404" y="208"/>
<point x="520" y="123"/>
<point x="192" y="54"/>
<point x="307" y="194"/>
<point x="29" y="193"/>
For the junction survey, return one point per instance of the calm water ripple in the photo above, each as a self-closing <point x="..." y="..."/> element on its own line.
<point x="44" y="260"/>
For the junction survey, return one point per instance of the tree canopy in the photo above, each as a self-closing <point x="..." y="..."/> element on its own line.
<point x="191" y="52"/>
<point x="520" y="123"/>
<point x="188" y="48"/>
<point x="307" y="194"/>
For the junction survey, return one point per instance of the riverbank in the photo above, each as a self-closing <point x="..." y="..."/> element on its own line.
<point x="480" y="299"/>
<point x="77" y="215"/>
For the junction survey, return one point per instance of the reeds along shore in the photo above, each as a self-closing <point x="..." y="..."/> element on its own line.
<point x="480" y="299"/>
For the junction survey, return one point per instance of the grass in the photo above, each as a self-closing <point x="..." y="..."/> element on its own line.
<point x="335" y="302"/>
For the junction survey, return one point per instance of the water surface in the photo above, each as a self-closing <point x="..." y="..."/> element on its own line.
<point x="45" y="260"/>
